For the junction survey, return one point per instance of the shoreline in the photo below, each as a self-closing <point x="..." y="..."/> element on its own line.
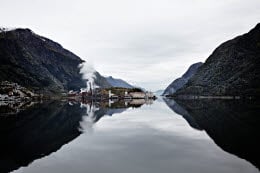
<point x="217" y="97"/>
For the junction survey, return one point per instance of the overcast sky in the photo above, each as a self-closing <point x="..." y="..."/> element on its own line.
<point x="148" y="43"/>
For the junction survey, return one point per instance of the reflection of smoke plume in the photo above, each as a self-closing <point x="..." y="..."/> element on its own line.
<point x="88" y="120"/>
<point x="88" y="74"/>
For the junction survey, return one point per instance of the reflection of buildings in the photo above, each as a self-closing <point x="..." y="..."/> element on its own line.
<point x="232" y="124"/>
<point x="96" y="110"/>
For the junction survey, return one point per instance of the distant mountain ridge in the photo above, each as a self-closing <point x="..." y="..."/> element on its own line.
<point x="39" y="63"/>
<point x="118" y="82"/>
<point x="158" y="92"/>
<point x="180" y="82"/>
<point x="232" y="69"/>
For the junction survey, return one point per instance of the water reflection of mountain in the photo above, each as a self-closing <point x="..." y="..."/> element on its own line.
<point x="36" y="132"/>
<point x="181" y="111"/>
<point x="44" y="128"/>
<point x="234" y="125"/>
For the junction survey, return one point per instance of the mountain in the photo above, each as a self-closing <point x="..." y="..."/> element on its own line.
<point x="180" y="82"/>
<point x="159" y="92"/>
<point x="39" y="63"/>
<point x="118" y="82"/>
<point x="232" y="69"/>
<point x="101" y="81"/>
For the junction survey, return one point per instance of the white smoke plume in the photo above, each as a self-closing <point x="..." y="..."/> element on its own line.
<point x="88" y="74"/>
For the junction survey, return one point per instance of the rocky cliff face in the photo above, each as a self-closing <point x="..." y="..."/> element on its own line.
<point x="39" y="63"/>
<point x="232" y="69"/>
<point x="180" y="82"/>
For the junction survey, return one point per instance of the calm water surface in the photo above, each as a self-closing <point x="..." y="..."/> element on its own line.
<point x="65" y="138"/>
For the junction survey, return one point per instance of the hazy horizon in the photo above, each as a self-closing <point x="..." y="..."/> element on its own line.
<point x="147" y="43"/>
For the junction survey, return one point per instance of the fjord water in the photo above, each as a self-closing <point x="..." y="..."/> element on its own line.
<point x="65" y="137"/>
